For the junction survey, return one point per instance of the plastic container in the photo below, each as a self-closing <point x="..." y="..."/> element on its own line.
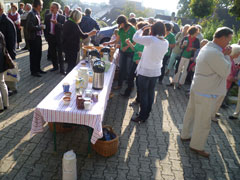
<point x="69" y="166"/>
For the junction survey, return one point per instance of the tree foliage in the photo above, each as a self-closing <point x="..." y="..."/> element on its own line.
<point x="201" y="8"/>
<point x="235" y="8"/>
<point x="198" y="8"/>
<point x="130" y="7"/>
<point x="210" y="26"/>
<point x="183" y="8"/>
<point x="223" y="3"/>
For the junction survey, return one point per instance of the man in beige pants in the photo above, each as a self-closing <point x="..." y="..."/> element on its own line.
<point x="209" y="82"/>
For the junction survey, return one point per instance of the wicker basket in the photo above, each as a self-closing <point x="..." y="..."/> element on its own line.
<point x="86" y="49"/>
<point x="61" y="127"/>
<point x="107" y="148"/>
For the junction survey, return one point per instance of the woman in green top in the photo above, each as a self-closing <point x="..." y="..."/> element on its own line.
<point x="189" y="45"/>
<point x="126" y="31"/>
<point x="138" y="49"/>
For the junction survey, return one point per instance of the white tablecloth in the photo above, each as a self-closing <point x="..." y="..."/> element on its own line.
<point x="52" y="108"/>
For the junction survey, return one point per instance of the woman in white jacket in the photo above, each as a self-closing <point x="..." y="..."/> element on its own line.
<point x="149" y="67"/>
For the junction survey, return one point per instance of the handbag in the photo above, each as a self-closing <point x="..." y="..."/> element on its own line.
<point x="12" y="75"/>
<point x="8" y="60"/>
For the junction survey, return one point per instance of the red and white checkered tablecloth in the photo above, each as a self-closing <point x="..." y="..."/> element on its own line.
<point x="52" y="108"/>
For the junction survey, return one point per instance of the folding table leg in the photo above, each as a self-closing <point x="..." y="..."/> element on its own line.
<point x="54" y="137"/>
<point x="90" y="131"/>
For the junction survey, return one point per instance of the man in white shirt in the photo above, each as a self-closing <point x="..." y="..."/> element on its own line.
<point x="209" y="82"/>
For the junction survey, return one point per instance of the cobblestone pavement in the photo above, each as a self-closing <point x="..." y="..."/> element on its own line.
<point x="147" y="151"/>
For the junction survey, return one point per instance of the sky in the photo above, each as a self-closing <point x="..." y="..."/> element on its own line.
<point x="170" y="5"/>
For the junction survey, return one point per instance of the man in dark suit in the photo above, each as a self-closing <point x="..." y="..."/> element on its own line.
<point x="9" y="31"/>
<point x="34" y="33"/>
<point x="88" y="24"/>
<point x="7" y="27"/>
<point x="53" y="34"/>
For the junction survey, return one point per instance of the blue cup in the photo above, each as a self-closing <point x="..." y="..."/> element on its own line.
<point x="66" y="87"/>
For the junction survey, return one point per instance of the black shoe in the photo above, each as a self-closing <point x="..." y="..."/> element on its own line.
<point x="126" y="95"/>
<point x="134" y="103"/>
<point x="1" y="110"/>
<point x="171" y="84"/>
<point x="137" y="120"/>
<point x="54" y="69"/>
<point x="5" y="108"/>
<point x="10" y="92"/>
<point x="36" y="75"/>
<point x="42" y="72"/>
<point x="224" y="106"/>
<point x="23" y="49"/>
<point x="63" y="72"/>
<point x="232" y="117"/>
<point x="127" y="92"/>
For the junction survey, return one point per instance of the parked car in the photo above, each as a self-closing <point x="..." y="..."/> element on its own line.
<point x="104" y="35"/>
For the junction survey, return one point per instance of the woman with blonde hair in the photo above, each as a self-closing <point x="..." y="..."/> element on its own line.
<point x="72" y="34"/>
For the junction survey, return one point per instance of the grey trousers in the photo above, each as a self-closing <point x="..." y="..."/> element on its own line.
<point x="4" y="102"/>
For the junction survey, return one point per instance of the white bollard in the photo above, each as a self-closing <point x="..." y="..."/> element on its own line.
<point x="69" y="166"/>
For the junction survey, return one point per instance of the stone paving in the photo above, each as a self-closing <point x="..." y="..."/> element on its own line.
<point x="147" y="151"/>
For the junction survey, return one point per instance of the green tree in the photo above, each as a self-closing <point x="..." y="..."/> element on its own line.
<point x="198" y="8"/>
<point x="179" y="22"/>
<point x="130" y="7"/>
<point x="223" y="3"/>
<point x="183" y="8"/>
<point x="202" y="8"/>
<point x="210" y="26"/>
<point x="235" y="8"/>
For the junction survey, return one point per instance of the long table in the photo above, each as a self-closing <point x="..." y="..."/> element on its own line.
<point x="52" y="108"/>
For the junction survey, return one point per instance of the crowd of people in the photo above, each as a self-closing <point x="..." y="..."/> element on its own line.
<point x="148" y="51"/>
